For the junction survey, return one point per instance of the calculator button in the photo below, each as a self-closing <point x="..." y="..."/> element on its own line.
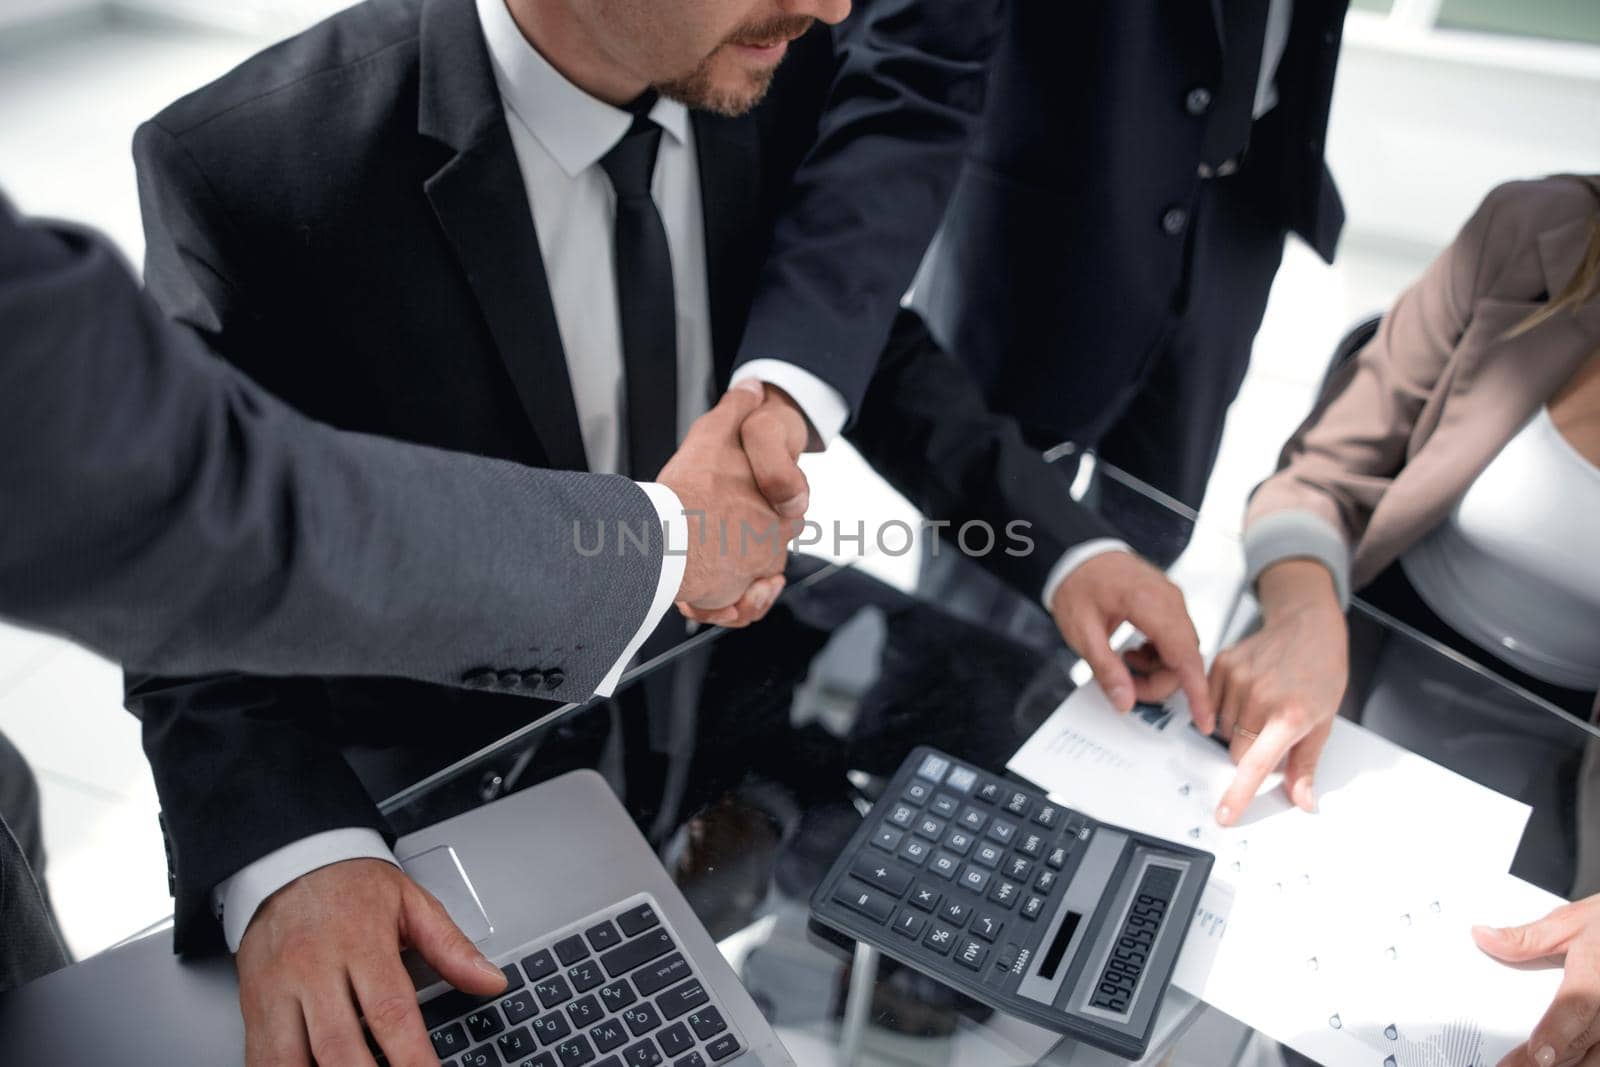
<point x="1019" y="868"/>
<point x="917" y="793"/>
<point x="975" y="878"/>
<point x="933" y="768"/>
<point x="973" y="819"/>
<point x="914" y="851"/>
<point x="945" y="806"/>
<point x="1046" y="881"/>
<point x="987" y="926"/>
<point x="909" y="923"/>
<point x="958" y="841"/>
<point x="941" y="939"/>
<point x="931" y="828"/>
<point x="707" y="1023"/>
<point x="903" y="815"/>
<point x="1047" y="816"/>
<point x="869" y="902"/>
<point x="1032" y="845"/>
<point x="1019" y="804"/>
<point x="1033" y="907"/>
<point x="989" y="855"/>
<point x="1002" y="831"/>
<point x="675" y="1039"/>
<point x="882" y="874"/>
<point x="972" y="954"/>
<point x="1008" y="957"/>
<point x="944" y="865"/>
<point x="990" y="792"/>
<point x="925" y="897"/>
<point x="955" y="913"/>
<point x="887" y="837"/>
<point x="1057" y="857"/>
<point x="962" y="779"/>
<point x="1005" y="894"/>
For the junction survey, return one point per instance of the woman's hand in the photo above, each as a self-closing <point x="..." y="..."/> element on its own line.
<point x="1276" y="692"/>
<point x="1569" y="1033"/>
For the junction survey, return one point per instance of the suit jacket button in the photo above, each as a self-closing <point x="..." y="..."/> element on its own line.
<point x="508" y="679"/>
<point x="532" y="679"/>
<point x="553" y="679"/>
<point x="1174" y="221"/>
<point x="479" y="678"/>
<point x="1198" y="102"/>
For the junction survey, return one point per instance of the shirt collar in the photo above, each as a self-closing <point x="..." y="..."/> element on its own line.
<point x="575" y="128"/>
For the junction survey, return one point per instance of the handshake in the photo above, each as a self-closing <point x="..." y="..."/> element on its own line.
<point x="738" y="477"/>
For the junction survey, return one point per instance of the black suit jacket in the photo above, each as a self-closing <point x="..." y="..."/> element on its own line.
<point x="1055" y="276"/>
<point x="344" y="218"/>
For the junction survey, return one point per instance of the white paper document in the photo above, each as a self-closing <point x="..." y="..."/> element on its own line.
<point x="1344" y="934"/>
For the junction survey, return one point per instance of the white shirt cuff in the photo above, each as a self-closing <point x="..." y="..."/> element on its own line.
<point x="237" y="899"/>
<point x="822" y="404"/>
<point x="674" y="558"/>
<point x="1075" y="557"/>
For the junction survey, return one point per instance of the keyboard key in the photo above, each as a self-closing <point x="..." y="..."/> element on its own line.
<point x="925" y="897"/>
<point x="481" y="1057"/>
<point x="972" y="954"/>
<point x="917" y="793"/>
<point x="990" y="792"/>
<point x="449" y="1040"/>
<point x="1007" y="957"/>
<point x="929" y="827"/>
<point x="902" y="815"/>
<point x="915" y="851"/>
<point x="636" y="953"/>
<point x="585" y="976"/>
<point x="513" y="979"/>
<point x="585" y="1012"/>
<point x="693" y="1059"/>
<point x="1057" y="857"/>
<point x="975" y="878"/>
<point x="959" y="842"/>
<point x="484" y="1024"/>
<point x="617" y="995"/>
<point x="1006" y="894"/>
<point x="933" y="768"/>
<point x="551" y="1028"/>
<point x="869" y="902"/>
<point x="682" y="999"/>
<point x="575" y="1051"/>
<point x="660" y="974"/>
<point x="1032" y="845"/>
<point x="945" y="806"/>
<point x="450" y="1005"/>
<point x="641" y="1019"/>
<point x="887" y="837"/>
<point x="546" y="1059"/>
<point x="539" y="965"/>
<point x="962" y="779"/>
<point x="636" y="921"/>
<point x="519" y="1007"/>
<point x="1019" y="868"/>
<point x="955" y="912"/>
<point x="675" y="1040"/>
<point x="707" y="1023"/>
<point x="945" y="865"/>
<point x="909" y="923"/>
<point x="1033" y="907"/>
<point x="722" y="1048"/>
<point x="987" y="926"/>
<point x="1047" y="816"/>
<point x="570" y="950"/>
<point x="603" y="936"/>
<point x="1002" y="831"/>
<point x="973" y="819"/>
<point x="516" y="1044"/>
<point x="553" y="991"/>
<point x="608" y="1035"/>
<point x="989" y="855"/>
<point x="881" y="874"/>
<point x="940" y="938"/>
<point x="1019" y="804"/>
<point x="1046" y="881"/>
<point x="643" y="1054"/>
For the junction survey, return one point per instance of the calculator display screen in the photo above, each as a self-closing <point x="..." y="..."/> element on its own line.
<point x="1131" y="950"/>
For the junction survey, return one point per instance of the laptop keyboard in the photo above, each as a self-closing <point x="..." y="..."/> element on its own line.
<point x="615" y="990"/>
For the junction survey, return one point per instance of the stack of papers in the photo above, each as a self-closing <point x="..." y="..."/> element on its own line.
<point x="1344" y="934"/>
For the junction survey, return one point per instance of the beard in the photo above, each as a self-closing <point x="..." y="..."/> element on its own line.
<point x="699" y="88"/>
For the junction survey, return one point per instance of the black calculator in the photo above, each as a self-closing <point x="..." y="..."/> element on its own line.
<point x="1024" y="905"/>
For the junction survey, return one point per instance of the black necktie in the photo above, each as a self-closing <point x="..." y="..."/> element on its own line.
<point x="645" y="300"/>
<point x="1244" y="34"/>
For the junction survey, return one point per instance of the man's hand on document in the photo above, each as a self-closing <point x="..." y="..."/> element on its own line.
<point x="1569" y="1033"/>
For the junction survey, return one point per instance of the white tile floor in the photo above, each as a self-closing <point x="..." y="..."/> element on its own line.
<point x="68" y="105"/>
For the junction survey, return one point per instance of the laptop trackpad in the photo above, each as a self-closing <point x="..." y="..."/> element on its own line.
<point x="439" y="871"/>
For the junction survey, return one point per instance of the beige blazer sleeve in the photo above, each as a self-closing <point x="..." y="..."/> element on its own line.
<point x="1343" y="459"/>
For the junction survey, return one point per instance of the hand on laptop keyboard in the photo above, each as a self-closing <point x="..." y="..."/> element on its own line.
<point x="324" y="952"/>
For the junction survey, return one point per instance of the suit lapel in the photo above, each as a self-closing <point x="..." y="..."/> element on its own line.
<point x="728" y="152"/>
<point x="481" y="202"/>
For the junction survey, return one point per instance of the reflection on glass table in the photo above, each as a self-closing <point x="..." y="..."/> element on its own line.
<point x="748" y="758"/>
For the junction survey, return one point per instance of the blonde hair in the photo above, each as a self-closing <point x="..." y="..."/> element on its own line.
<point x="1584" y="286"/>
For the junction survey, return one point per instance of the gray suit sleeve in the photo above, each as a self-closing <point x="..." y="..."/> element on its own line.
<point x="163" y="509"/>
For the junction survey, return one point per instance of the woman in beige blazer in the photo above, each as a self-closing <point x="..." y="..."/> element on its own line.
<point x="1485" y="374"/>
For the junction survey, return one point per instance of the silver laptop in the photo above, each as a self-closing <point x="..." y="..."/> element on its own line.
<point x="607" y="965"/>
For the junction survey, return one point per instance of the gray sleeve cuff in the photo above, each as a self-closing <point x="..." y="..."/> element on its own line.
<point x="1295" y="534"/>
